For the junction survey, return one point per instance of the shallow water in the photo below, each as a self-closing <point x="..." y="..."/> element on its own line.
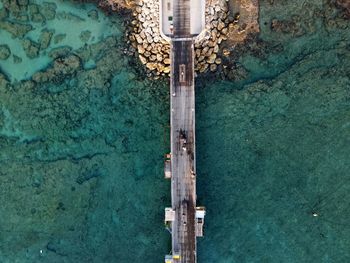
<point x="82" y="155"/>
<point x="71" y="19"/>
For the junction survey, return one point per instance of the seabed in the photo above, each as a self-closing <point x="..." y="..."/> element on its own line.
<point x="82" y="151"/>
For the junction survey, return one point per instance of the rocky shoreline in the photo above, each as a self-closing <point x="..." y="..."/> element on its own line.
<point x="143" y="38"/>
<point x="154" y="51"/>
<point x="232" y="30"/>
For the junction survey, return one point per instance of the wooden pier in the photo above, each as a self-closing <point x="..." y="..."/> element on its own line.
<point x="184" y="219"/>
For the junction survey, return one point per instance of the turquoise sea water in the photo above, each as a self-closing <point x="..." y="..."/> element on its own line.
<point x="81" y="154"/>
<point x="70" y="20"/>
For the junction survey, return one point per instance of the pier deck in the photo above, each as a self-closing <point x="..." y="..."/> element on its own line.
<point x="183" y="161"/>
<point x="183" y="180"/>
<point x="186" y="220"/>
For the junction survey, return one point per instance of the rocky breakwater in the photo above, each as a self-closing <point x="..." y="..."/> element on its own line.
<point x="154" y="51"/>
<point x="144" y="36"/>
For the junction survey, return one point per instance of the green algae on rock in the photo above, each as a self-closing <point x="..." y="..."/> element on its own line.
<point x="48" y="28"/>
<point x="59" y="37"/>
<point x="15" y="29"/>
<point x="61" y="51"/>
<point x="3" y="81"/>
<point x="60" y="70"/>
<point x="16" y="60"/>
<point x="31" y="48"/>
<point x="5" y="52"/>
<point x="45" y="38"/>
